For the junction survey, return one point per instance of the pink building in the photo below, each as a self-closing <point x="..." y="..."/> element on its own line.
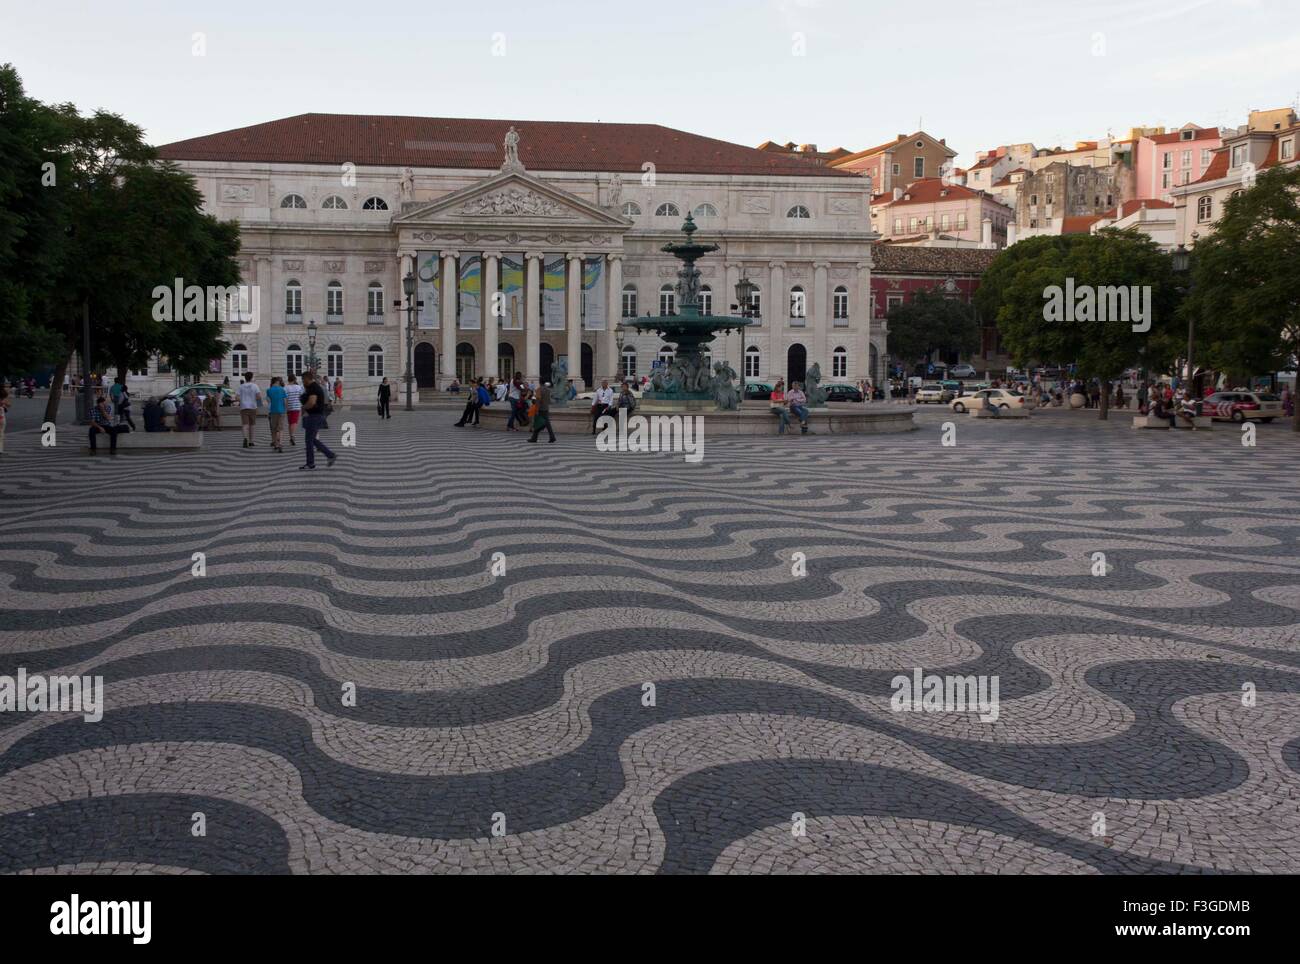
<point x="930" y="209"/>
<point x="1167" y="161"/>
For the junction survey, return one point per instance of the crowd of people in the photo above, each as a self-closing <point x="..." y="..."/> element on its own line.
<point x="529" y="405"/>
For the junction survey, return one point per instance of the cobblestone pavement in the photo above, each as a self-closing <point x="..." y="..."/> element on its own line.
<point x="502" y="720"/>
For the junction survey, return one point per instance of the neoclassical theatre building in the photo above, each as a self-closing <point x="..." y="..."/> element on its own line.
<point x="529" y="240"/>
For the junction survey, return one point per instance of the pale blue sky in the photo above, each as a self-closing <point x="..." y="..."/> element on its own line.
<point x="979" y="73"/>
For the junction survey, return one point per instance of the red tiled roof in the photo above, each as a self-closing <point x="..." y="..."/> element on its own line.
<point x="927" y="191"/>
<point x="369" y="140"/>
<point x="987" y="162"/>
<point x="1218" y="168"/>
<point x="1202" y="133"/>
<point x="1079" y="223"/>
<point x="902" y="259"/>
<point x="858" y="155"/>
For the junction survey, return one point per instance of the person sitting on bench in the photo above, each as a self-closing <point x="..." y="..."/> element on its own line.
<point x="991" y="408"/>
<point x="153" y="417"/>
<point x="1158" y="409"/>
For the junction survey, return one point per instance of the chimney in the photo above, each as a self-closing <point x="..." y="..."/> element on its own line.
<point x="898" y="192"/>
<point x="986" y="233"/>
<point x="943" y="141"/>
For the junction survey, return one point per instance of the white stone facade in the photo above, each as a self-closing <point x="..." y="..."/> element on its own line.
<point x="445" y="216"/>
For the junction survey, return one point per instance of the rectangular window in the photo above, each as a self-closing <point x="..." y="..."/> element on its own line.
<point x="375" y="301"/>
<point x="629" y="302"/>
<point x="1239" y="155"/>
<point x="840" y="305"/>
<point x="911" y="225"/>
<point x="1288" y="149"/>
<point x="839" y="365"/>
<point x="1205" y="157"/>
<point x="897" y="170"/>
<point x="629" y="363"/>
<point x="918" y="167"/>
<point x="943" y="222"/>
<point x="1167" y="160"/>
<point x="898" y="225"/>
<point x="1164" y="180"/>
<point x="751" y="364"/>
<point x="892" y="302"/>
<point x="1187" y="158"/>
<point x="376" y="364"/>
<point x="961" y="221"/>
<point x="293" y="301"/>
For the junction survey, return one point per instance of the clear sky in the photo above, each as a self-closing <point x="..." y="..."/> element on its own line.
<point x="830" y="72"/>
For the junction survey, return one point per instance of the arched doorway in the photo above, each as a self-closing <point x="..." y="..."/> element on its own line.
<point x="425" y="366"/>
<point x="796" y="364"/>
<point x="464" y="362"/>
<point x="546" y="360"/>
<point x="505" y="362"/>
<point x="588" y="366"/>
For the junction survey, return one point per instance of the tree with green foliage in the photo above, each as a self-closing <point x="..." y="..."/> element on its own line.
<point x="1245" y="295"/>
<point x="1090" y="276"/>
<point x="91" y="220"/>
<point x="931" y="322"/>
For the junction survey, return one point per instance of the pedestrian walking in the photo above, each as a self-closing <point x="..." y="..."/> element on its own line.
<point x="4" y="416"/>
<point x="293" y="404"/>
<point x="385" y="396"/>
<point x="542" y="413"/>
<point x="250" y="399"/>
<point x="275" y="412"/>
<point x="338" y="389"/>
<point x="314" y="406"/>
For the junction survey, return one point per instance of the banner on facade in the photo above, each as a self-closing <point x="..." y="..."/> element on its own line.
<point x="469" y="310"/>
<point x="593" y="294"/>
<point x="427" y="273"/>
<point x="553" y="292"/>
<point x="513" y="275"/>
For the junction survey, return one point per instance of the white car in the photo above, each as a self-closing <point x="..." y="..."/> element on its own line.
<point x="1000" y="397"/>
<point x="961" y="371"/>
<point x="932" y="393"/>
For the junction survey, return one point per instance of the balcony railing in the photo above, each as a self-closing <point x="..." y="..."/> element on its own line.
<point x="374" y="319"/>
<point x="293" y="317"/>
<point x="333" y="318"/>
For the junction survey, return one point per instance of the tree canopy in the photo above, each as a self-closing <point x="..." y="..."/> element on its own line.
<point x="931" y="322"/>
<point x="1246" y="293"/>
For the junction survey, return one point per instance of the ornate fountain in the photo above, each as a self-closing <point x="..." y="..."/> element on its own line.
<point x="689" y="383"/>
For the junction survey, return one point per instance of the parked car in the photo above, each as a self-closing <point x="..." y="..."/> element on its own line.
<point x="204" y="390"/>
<point x="933" y="392"/>
<point x="961" y="371"/>
<point x="1001" y="398"/>
<point x="839" y="392"/>
<point x="1243" y="406"/>
<point x="759" y="391"/>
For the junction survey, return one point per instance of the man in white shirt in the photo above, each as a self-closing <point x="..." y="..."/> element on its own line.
<point x="601" y="403"/>
<point x="293" y="404"/>
<point x="250" y="397"/>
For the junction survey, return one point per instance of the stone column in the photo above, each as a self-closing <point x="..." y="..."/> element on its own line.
<point x="491" y="319"/>
<point x="821" y="317"/>
<point x="722" y="306"/>
<point x="266" y="366"/>
<point x="607" y="360"/>
<point x="863" y="310"/>
<point x="573" y="319"/>
<point x="532" y="316"/>
<point x="450" y="294"/>
<point x="776" y="309"/>
<point x="405" y="262"/>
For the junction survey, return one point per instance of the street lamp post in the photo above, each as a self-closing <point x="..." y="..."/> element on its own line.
<point x="619" y="336"/>
<point x="311" y="346"/>
<point x="412" y="313"/>
<point x="1182" y="259"/>
<point x="745" y="302"/>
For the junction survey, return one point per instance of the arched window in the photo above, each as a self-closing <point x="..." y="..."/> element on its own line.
<point x="839" y="363"/>
<point x="752" y="359"/>
<point x="375" y="361"/>
<point x="666" y="356"/>
<point x="239" y="359"/>
<point x="375" y="204"/>
<point x="705" y="210"/>
<point x="292" y="302"/>
<point x="629" y="362"/>
<point x="667" y="301"/>
<point x="334" y="361"/>
<point x="295" y="201"/>
<point x="334" y="303"/>
<point x="631" y="209"/>
<point x="1204" y="208"/>
<point x="293" y="360"/>
<point x="840" y="303"/>
<point x="375" y="303"/>
<point x="756" y="302"/>
<point x="706" y="300"/>
<point x="667" y="210"/>
<point x="798" y="303"/>
<point x="798" y="211"/>
<point x="334" y="203"/>
<point x="629" y="301"/>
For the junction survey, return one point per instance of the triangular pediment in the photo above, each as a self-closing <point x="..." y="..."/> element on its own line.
<point x="512" y="198"/>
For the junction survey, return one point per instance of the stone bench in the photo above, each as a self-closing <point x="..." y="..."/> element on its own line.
<point x="151" y="442"/>
<point x="1001" y="413"/>
<point x="1150" y="421"/>
<point x="1199" y="423"/>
